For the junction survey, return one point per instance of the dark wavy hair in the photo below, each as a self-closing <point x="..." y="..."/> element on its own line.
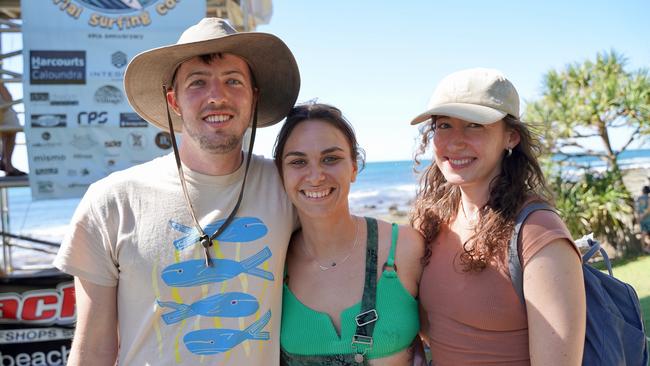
<point x="437" y="201"/>
<point x="321" y="112"/>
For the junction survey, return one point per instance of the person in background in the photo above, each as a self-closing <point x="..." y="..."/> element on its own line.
<point x="9" y="125"/>
<point x="351" y="282"/>
<point x="484" y="171"/>
<point x="176" y="261"/>
<point x="643" y="216"/>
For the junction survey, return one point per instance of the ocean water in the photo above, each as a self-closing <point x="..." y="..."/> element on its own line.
<point x="382" y="185"/>
<point x="379" y="187"/>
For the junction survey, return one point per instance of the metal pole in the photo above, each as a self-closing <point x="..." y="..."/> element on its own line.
<point x="6" y="245"/>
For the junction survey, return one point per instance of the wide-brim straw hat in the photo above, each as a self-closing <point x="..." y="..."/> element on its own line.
<point x="476" y="95"/>
<point x="273" y="66"/>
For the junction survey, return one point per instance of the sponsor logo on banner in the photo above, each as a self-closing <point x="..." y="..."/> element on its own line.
<point x="81" y="172"/>
<point x="44" y="142"/>
<point x="39" y="97"/>
<point x="48" y="120"/>
<point x="112" y="143"/>
<point x="132" y="120"/>
<point x="119" y="59"/>
<point x="163" y="140"/>
<point x="83" y="141"/>
<point x="53" y="100"/>
<point x="116" y="75"/>
<point x="43" y="158"/>
<point x="45" y="186"/>
<point x="42" y="306"/>
<point x="54" y="353"/>
<point x="92" y="118"/>
<point x="57" y="67"/>
<point x="31" y="335"/>
<point x="46" y="171"/>
<point x="136" y="141"/>
<point x="108" y="94"/>
<point x="79" y="185"/>
<point x="116" y="14"/>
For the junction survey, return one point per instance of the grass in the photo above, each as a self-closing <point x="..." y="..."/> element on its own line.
<point x="636" y="272"/>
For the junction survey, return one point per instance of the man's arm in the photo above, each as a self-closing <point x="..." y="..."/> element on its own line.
<point x="96" y="338"/>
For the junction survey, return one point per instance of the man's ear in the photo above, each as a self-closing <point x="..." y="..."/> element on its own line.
<point x="171" y="99"/>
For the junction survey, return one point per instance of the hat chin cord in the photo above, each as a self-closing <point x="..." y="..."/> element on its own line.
<point x="205" y="240"/>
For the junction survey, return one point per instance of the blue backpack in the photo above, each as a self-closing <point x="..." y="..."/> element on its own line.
<point x="614" y="334"/>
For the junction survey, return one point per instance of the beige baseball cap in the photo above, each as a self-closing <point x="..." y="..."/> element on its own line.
<point x="476" y="95"/>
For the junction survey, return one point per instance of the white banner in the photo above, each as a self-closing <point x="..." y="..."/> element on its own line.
<point x="30" y="335"/>
<point x="78" y="124"/>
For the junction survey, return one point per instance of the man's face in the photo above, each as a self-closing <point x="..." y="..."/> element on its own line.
<point x="215" y="101"/>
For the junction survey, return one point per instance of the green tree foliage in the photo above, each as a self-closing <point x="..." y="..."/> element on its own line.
<point x="596" y="203"/>
<point x="580" y="108"/>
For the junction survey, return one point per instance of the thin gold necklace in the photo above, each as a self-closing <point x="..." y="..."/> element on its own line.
<point x="335" y="263"/>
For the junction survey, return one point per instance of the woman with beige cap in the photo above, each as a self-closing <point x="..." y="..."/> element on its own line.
<point x="484" y="172"/>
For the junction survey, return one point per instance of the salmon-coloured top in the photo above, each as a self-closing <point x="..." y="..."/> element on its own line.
<point x="476" y="318"/>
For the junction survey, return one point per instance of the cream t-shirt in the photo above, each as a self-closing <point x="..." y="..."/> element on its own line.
<point x="133" y="230"/>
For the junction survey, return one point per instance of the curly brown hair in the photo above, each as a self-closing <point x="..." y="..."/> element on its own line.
<point x="437" y="201"/>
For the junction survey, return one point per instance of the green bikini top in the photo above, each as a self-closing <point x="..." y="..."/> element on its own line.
<point x="307" y="332"/>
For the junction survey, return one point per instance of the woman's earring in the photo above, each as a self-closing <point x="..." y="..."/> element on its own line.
<point x="509" y="152"/>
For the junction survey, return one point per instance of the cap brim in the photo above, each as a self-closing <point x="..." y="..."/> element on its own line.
<point x="467" y="112"/>
<point x="272" y="63"/>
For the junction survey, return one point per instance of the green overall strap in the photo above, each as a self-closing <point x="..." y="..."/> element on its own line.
<point x="390" y="262"/>
<point x="366" y="319"/>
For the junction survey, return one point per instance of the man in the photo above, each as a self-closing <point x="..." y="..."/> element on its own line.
<point x="153" y="284"/>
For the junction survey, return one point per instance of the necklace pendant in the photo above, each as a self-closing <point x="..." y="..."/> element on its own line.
<point x="358" y="358"/>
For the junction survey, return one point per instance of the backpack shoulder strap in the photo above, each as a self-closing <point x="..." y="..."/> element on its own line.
<point x="514" y="264"/>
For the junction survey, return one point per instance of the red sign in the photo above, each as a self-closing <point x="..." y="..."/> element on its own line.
<point x="42" y="306"/>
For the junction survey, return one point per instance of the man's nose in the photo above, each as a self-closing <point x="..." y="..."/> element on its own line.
<point x="217" y="93"/>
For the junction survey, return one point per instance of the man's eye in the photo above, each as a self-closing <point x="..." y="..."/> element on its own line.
<point x="475" y="125"/>
<point x="197" y="82"/>
<point x="441" y="126"/>
<point x="234" y="82"/>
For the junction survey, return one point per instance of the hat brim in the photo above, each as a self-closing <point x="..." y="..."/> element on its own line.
<point x="272" y="64"/>
<point x="467" y="112"/>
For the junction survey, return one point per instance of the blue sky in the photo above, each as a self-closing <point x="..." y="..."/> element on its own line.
<point x="379" y="61"/>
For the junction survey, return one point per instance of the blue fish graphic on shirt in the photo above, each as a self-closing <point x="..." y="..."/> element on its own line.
<point x="195" y="272"/>
<point x="217" y="340"/>
<point x="241" y="229"/>
<point x="228" y="305"/>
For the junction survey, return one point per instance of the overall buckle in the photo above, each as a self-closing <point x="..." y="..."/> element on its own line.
<point x="366" y="317"/>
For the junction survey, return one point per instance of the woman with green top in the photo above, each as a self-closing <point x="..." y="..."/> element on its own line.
<point x="351" y="282"/>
